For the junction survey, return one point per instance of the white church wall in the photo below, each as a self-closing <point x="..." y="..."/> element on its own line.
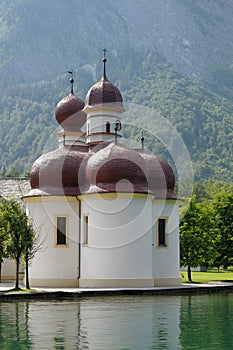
<point x="166" y="258"/>
<point x="8" y="269"/>
<point x="55" y="265"/>
<point x="119" y="240"/>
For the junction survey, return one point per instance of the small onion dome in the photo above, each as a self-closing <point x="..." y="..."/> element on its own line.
<point x="60" y="172"/>
<point x="161" y="179"/>
<point x="69" y="113"/>
<point x="116" y="168"/>
<point x="104" y="92"/>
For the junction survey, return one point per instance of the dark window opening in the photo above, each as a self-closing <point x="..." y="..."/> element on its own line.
<point x="61" y="230"/>
<point x="85" y="233"/>
<point x="162" y="232"/>
<point x="107" y="127"/>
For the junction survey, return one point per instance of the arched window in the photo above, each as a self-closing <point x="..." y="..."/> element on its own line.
<point x="107" y="127"/>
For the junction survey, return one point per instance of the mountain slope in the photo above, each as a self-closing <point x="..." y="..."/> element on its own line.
<point x="203" y="118"/>
<point x="174" y="56"/>
<point x="40" y="38"/>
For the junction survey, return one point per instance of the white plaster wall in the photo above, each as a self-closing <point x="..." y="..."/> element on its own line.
<point x="8" y="269"/>
<point x="97" y="124"/>
<point x="166" y="259"/>
<point x="101" y="137"/>
<point x="119" y="238"/>
<point x="52" y="262"/>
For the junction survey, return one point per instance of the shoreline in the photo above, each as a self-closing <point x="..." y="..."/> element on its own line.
<point x="72" y="293"/>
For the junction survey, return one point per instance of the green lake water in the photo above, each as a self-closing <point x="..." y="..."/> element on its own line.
<point x="119" y="323"/>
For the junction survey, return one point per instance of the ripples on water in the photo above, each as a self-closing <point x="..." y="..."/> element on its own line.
<point x="119" y="323"/>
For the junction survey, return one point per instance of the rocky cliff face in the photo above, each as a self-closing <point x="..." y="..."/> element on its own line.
<point x="40" y="38"/>
<point x="190" y="34"/>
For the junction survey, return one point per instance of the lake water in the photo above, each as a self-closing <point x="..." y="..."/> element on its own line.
<point x="119" y="323"/>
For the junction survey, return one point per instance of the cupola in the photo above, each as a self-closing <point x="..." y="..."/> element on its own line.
<point x="70" y="115"/>
<point x="103" y="106"/>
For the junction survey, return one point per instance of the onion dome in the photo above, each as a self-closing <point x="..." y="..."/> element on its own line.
<point x="116" y="168"/>
<point x="68" y="112"/>
<point x="161" y="179"/>
<point x="104" y="92"/>
<point x="60" y="172"/>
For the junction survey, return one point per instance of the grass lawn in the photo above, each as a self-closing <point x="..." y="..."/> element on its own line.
<point x="209" y="276"/>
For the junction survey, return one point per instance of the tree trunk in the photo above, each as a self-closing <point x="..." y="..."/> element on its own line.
<point x="0" y="271"/>
<point x="27" y="272"/>
<point x="189" y="274"/>
<point x="17" y="274"/>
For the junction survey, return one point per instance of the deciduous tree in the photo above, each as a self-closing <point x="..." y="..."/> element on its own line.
<point x="19" y="233"/>
<point x="198" y="236"/>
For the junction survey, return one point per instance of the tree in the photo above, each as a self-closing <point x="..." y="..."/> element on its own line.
<point x="32" y="245"/>
<point x="19" y="233"/>
<point x="28" y="252"/>
<point x="197" y="236"/>
<point x="3" y="236"/>
<point x="14" y="172"/>
<point x="223" y="213"/>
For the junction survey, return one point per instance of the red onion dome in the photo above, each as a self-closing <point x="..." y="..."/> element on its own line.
<point x="104" y="92"/>
<point x="60" y="172"/>
<point x="69" y="113"/>
<point x="161" y="179"/>
<point x="116" y="168"/>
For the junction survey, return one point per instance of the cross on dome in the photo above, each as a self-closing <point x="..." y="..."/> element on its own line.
<point x="71" y="81"/>
<point x="104" y="61"/>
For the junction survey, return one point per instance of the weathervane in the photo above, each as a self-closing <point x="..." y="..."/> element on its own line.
<point x="71" y="81"/>
<point x="142" y="140"/>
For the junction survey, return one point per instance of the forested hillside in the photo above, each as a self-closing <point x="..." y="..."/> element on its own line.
<point x="178" y="62"/>
<point x="204" y="119"/>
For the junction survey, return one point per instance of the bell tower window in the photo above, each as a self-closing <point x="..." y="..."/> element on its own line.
<point x="107" y="127"/>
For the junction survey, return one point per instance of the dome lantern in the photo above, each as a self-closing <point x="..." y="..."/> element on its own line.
<point x="103" y="106"/>
<point x="70" y="115"/>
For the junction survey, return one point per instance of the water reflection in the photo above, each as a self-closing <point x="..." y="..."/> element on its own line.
<point x="119" y="323"/>
<point x="91" y="323"/>
<point x="206" y="322"/>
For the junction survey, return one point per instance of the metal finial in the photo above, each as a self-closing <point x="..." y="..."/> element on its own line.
<point x="117" y="128"/>
<point x="64" y="139"/>
<point x="71" y="81"/>
<point x="104" y="61"/>
<point x="142" y="140"/>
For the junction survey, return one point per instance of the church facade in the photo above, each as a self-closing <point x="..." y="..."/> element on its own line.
<point x="105" y="215"/>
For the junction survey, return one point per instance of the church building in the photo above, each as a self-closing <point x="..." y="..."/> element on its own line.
<point x="105" y="215"/>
